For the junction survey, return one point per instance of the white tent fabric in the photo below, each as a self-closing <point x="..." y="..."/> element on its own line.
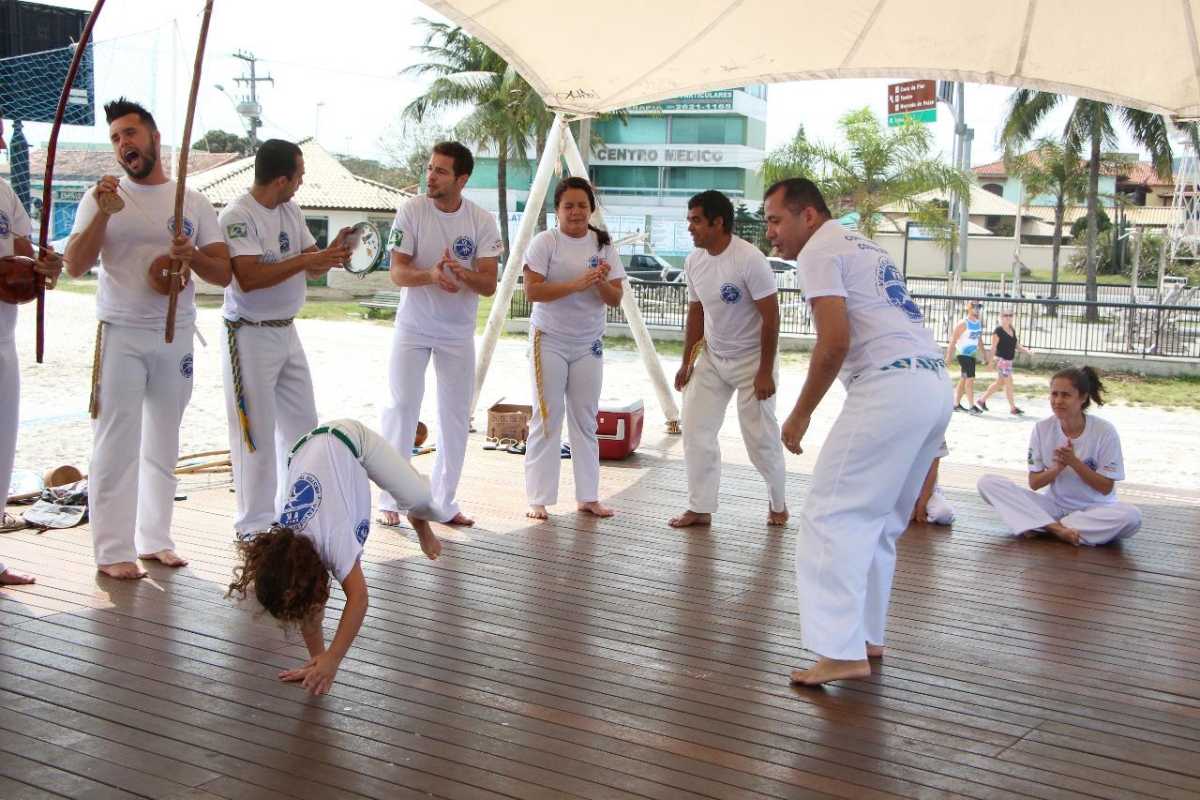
<point x="589" y="58"/>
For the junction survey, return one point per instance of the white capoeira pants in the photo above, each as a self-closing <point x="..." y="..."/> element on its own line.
<point x="278" y="392"/>
<point x="705" y="397"/>
<point x="145" y="385"/>
<point x="938" y="510"/>
<point x="571" y="376"/>
<point x="383" y="465"/>
<point x="865" y="483"/>
<point x="1023" y="510"/>
<point x="454" y="365"/>
<point x="10" y="406"/>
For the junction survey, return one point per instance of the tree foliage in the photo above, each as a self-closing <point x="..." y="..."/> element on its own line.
<point x="876" y="167"/>
<point x="218" y="141"/>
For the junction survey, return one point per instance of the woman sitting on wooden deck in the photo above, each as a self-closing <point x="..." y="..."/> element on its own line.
<point x="321" y="529"/>
<point x="1078" y="457"/>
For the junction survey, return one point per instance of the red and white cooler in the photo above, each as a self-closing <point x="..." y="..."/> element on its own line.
<point x="619" y="427"/>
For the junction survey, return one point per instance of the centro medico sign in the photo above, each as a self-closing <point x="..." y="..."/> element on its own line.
<point x="668" y="156"/>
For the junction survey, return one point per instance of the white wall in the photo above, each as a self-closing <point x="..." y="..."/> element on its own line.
<point x="984" y="254"/>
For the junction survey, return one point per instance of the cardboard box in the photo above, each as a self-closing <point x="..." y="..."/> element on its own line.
<point x="509" y="421"/>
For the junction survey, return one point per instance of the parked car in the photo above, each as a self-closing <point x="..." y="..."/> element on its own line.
<point x="649" y="267"/>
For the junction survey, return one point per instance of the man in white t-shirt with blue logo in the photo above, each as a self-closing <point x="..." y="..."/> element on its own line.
<point x="872" y="336"/>
<point x="144" y="383"/>
<point x="730" y="347"/>
<point x="445" y="253"/>
<point x="268" y="387"/>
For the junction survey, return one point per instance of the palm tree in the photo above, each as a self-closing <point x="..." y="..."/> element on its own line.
<point x="505" y="110"/>
<point x="876" y="168"/>
<point x="1090" y="122"/>
<point x="1051" y="168"/>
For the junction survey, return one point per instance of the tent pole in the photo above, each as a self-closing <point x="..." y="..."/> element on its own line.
<point x="633" y="315"/>
<point x="516" y="253"/>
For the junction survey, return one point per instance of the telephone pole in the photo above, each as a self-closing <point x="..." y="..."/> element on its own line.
<point x="251" y="109"/>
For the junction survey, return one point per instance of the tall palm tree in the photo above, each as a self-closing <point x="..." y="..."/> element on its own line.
<point x="1051" y="168"/>
<point x="875" y="168"/>
<point x="506" y="113"/>
<point x="1092" y="123"/>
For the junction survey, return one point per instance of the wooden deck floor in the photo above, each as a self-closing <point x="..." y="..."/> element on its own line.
<point x="619" y="659"/>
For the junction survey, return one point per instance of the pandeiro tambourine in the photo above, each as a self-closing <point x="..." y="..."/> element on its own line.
<point x="366" y="248"/>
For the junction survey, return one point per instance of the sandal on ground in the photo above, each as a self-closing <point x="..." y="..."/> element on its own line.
<point x="565" y="452"/>
<point x="9" y="523"/>
<point x="516" y="448"/>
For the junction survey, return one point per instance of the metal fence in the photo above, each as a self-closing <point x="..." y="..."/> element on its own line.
<point x="1125" y="329"/>
<point x="1067" y="290"/>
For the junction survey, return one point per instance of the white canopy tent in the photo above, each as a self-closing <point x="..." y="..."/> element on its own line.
<point x="585" y="60"/>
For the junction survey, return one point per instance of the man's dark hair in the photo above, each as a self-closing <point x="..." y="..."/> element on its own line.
<point x="464" y="162"/>
<point x="276" y="158"/>
<point x="714" y="205"/>
<point x="115" y="109"/>
<point x="799" y="194"/>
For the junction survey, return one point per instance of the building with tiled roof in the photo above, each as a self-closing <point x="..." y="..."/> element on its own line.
<point x="328" y="185"/>
<point x="1136" y="180"/>
<point x="77" y="166"/>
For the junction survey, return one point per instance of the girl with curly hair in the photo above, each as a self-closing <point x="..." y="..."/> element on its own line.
<point x="322" y="528"/>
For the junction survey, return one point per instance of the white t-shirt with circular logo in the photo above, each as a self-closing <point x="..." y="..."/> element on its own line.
<point x="329" y="501"/>
<point x="425" y="232"/>
<point x="137" y="235"/>
<point x="557" y="257"/>
<point x="273" y="235"/>
<point x="14" y="222"/>
<point x="885" y="323"/>
<point x="728" y="286"/>
<point x="1098" y="446"/>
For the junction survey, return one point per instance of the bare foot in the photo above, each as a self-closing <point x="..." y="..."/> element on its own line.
<point x="874" y="650"/>
<point x="123" y="570"/>
<point x="10" y="578"/>
<point x="167" y="558"/>
<point x="1068" y="535"/>
<point x="460" y="519"/>
<point x="389" y="518"/>
<point x="537" y="512"/>
<point x="831" y="669"/>
<point x="596" y="508"/>
<point x="777" y="518"/>
<point x="690" y="518"/>
<point x="431" y="546"/>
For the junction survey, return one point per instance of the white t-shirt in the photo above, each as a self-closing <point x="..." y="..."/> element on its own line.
<point x="134" y="238"/>
<point x="1098" y="446"/>
<point x="329" y="502"/>
<point x="14" y="222"/>
<point x="424" y="232"/>
<point x="728" y="286"/>
<point x="885" y="323"/>
<point x="557" y="257"/>
<point x="272" y="234"/>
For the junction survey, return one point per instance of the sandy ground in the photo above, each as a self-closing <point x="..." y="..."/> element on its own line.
<point x="348" y="360"/>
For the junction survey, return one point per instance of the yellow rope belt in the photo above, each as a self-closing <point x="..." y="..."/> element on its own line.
<point x="94" y="400"/>
<point x="235" y="365"/>
<point x="537" y="375"/>
<point x="694" y="356"/>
